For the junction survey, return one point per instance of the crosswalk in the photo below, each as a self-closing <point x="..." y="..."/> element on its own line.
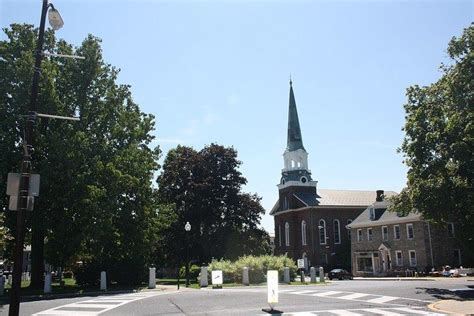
<point x="393" y="311"/>
<point x="356" y="296"/>
<point x="97" y="305"/>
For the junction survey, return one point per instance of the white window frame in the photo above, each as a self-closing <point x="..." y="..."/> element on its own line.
<point x="287" y="234"/>
<point x="359" y="235"/>
<point x="452" y="234"/>
<point x="384" y="236"/>
<point x="397" y="261"/>
<point x="371" y="213"/>
<point x="337" y="231"/>
<point x="322" y="241"/>
<point x="410" y="252"/>
<point x="370" y="236"/>
<point x="303" y="233"/>
<point x="412" y="230"/>
<point x="395" y="232"/>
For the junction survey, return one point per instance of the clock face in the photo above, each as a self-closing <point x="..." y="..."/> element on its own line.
<point x="303" y="179"/>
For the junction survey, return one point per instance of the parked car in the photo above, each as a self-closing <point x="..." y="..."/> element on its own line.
<point x="340" y="274"/>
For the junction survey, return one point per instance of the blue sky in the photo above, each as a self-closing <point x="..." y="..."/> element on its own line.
<point x="217" y="71"/>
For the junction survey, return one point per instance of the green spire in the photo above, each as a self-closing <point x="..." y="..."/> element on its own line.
<point x="295" y="141"/>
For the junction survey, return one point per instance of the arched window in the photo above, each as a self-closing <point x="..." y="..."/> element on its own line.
<point x="337" y="231"/>
<point x="348" y="229"/>
<point x="279" y="235"/>
<point x="287" y="234"/>
<point x="285" y="203"/>
<point x="303" y="233"/>
<point x="322" y="232"/>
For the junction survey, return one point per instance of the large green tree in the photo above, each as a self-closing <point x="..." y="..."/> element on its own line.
<point x="96" y="203"/>
<point x="205" y="188"/>
<point x="439" y="144"/>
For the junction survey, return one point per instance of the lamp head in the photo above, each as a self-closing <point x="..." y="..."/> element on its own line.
<point x="55" y="19"/>
<point x="187" y="227"/>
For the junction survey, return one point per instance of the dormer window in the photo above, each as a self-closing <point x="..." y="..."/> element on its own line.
<point x="371" y="213"/>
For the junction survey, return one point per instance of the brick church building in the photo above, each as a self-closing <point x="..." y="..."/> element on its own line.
<point x="310" y="223"/>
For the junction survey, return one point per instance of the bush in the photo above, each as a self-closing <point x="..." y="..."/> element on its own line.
<point x="258" y="267"/>
<point x="194" y="271"/>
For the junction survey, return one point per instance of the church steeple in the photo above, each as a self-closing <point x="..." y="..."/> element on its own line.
<point x="294" y="140"/>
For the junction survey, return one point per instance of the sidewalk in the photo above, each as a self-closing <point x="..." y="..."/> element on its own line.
<point x="453" y="307"/>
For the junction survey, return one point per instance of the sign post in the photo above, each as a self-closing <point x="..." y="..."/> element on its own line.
<point x="272" y="292"/>
<point x="217" y="279"/>
<point x="301" y="267"/>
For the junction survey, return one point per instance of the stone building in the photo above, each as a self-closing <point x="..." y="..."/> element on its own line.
<point x="310" y="223"/>
<point x="386" y="243"/>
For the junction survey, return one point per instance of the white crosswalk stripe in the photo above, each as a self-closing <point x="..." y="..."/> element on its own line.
<point x="96" y="306"/>
<point x="367" y="311"/>
<point x="355" y="296"/>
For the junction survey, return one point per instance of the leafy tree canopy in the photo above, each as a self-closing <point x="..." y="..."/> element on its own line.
<point x="439" y="144"/>
<point x="205" y="188"/>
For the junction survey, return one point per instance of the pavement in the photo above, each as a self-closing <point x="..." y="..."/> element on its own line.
<point x="453" y="307"/>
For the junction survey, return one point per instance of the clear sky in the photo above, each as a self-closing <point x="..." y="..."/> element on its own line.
<point x="218" y="71"/>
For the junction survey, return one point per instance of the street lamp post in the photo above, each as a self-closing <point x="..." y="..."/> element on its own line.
<point x="187" y="228"/>
<point x="56" y="23"/>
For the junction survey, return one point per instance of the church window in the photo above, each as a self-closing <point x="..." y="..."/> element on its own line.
<point x="279" y="235"/>
<point x="322" y="232"/>
<point x="303" y="233"/>
<point x="287" y="234"/>
<point x="285" y="203"/>
<point x="337" y="232"/>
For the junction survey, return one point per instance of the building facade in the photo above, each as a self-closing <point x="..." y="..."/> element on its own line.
<point x="385" y="243"/>
<point x="310" y="223"/>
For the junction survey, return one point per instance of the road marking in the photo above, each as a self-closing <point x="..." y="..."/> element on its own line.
<point x="367" y="311"/>
<point x="328" y="293"/>
<point x="97" y="306"/>
<point x="303" y="292"/>
<point x="344" y="312"/>
<point x="353" y="296"/>
<point x="383" y="299"/>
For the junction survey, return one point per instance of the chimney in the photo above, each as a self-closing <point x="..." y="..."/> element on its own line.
<point x="379" y="196"/>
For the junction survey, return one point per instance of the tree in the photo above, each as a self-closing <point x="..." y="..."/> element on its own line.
<point x="439" y="144"/>
<point x="205" y="189"/>
<point x="97" y="204"/>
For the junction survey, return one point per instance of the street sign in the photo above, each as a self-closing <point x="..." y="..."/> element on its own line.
<point x="300" y="263"/>
<point x="272" y="287"/>
<point x="13" y="184"/>
<point x="13" y="203"/>
<point x="217" y="277"/>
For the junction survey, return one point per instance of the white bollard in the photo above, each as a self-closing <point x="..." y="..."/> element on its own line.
<point x="286" y="275"/>
<point x="313" y="274"/>
<point x="321" y="274"/>
<point x="47" y="283"/>
<point x="152" y="278"/>
<point x="245" y="276"/>
<point x="103" y="281"/>
<point x="203" y="281"/>
<point x="2" y="284"/>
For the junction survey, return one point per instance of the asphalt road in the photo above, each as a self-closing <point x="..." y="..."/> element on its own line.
<point x="356" y="297"/>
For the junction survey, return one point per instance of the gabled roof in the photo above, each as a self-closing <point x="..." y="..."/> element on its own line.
<point x="363" y="220"/>
<point x="335" y="198"/>
<point x="294" y="140"/>
<point x="308" y="199"/>
<point x="348" y="197"/>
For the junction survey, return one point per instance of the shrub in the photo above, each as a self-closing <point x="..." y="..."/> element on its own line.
<point x="194" y="271"/>
<point x="258" y="267"/>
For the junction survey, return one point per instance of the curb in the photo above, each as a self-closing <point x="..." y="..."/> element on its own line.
<point x="433" y="307"/>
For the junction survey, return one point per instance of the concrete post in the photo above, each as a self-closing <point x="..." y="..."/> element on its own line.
<point x="312" y="272"/>
<point x="2" y="284"/>
<point x="203" y="281"/>
<point x="245" y="276"/>
<point x="286" y="275"/>
<point x="47" y="283"/>
<point x="151" y="278"/>
<point x="103" y="281"/>
<point x="321" y="274"/>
